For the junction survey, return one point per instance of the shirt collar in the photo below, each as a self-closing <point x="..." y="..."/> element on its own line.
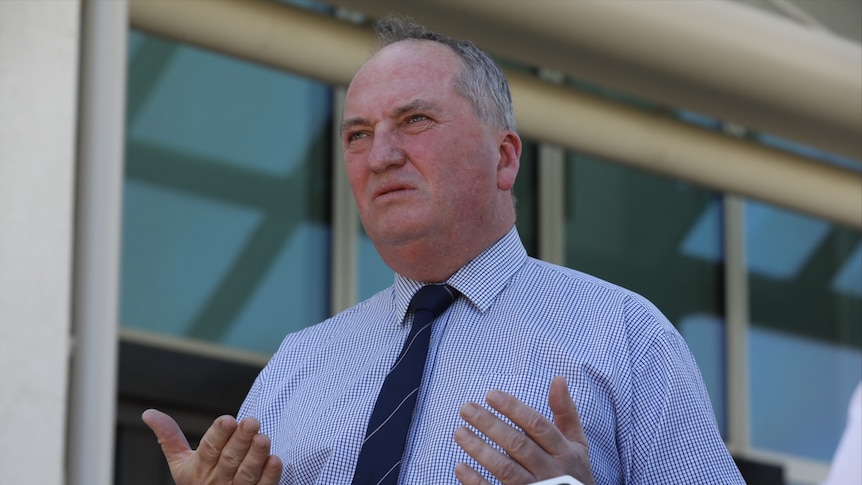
<point x="480" y="280"/>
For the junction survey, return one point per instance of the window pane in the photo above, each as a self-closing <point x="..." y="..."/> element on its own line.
<point x="660" y="238"/>
<point x="805" y="280"/>
<point x="226" y="224"/>
<point x="526" y="195"/>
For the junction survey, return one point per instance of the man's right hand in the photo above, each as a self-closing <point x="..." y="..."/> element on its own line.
<point x="229" y="453"/>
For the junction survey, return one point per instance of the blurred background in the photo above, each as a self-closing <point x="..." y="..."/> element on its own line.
<point x="172" y="202"/>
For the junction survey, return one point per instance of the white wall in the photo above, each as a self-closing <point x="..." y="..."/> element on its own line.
<point x="38" y="96"/>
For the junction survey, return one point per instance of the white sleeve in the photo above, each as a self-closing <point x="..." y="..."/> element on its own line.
<point x="845" y="468"/>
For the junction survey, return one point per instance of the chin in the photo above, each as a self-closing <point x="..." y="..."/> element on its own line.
<point x="399" y="227"/>
<point x="399" y="235"/>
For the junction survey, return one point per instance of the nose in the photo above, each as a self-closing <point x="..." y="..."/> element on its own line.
<point x="385" y="151"/>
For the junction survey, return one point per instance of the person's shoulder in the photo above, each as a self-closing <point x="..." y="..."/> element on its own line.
<point x="582" y="288"/>
<point x="344" y="321"/>
<point x="615" y="313"/>
<point x="565" y="278"/>
<point x="379" y="302"/>
<point x="321" y="340"/>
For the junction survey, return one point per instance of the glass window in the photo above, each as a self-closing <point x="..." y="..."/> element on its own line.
<point x="226" y="224"/>
<point x="526" y="196"/>
<point x="805" y="342"/>
<point x="660" y="238"/>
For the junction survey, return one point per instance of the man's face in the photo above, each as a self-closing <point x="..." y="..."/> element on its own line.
<point x="420" y="162"/>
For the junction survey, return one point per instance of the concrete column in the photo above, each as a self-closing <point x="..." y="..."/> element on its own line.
<point x="38" y="95"/>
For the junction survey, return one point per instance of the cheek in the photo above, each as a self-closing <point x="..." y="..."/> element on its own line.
<point x="469" y="185"/>
<point x="355" y="173"/>
<point x="357" y="177"/>
<point x="477" y="168"/>
<point x="461" y="172"/>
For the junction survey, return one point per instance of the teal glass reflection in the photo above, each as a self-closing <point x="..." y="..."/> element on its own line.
<point x="527" y="197"/>
<point x="226" y="225"/>
<point x="805" y="343"/>
<point x="658" y="237"/>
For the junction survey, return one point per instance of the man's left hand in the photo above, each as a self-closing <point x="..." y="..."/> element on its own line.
<point x="541" y="449"/>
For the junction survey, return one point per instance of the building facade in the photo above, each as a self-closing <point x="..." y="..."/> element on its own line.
<point x="172" y="204"/>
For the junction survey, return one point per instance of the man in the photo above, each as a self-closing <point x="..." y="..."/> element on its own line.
<point x="432" y="154"/>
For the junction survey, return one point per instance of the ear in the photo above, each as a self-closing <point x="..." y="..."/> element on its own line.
<point x="510" y="160"/>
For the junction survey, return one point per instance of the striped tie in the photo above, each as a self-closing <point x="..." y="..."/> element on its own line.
<point x="386" y="435"/>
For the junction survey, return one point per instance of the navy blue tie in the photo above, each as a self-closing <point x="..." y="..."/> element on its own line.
<point x="380" y="458"/>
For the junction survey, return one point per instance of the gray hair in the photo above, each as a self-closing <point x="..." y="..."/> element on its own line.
<point x="481" y="81"/>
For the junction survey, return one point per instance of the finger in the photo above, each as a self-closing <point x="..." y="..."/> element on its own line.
<point x="566" y="416"/>
<point x="541" y="431"/>
<point x="252" y="466"/>
<point x="479" y="449"/>
<point x="271" y="471"/>
<point x="469" y="476"/>
<point x="213" y="442"/>
<point x="520" y="448"/>
<point x="236" y="448"/>
<point x="171" y="438"/>
<point x="568" y="421"/>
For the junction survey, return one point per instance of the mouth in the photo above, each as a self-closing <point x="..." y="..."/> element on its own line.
<point x="390" y="190"/>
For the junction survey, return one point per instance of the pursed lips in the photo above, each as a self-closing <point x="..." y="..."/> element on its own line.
<point x="390" y="188"/>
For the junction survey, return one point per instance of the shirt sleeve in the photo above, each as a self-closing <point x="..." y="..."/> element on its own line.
<point x="845" y="464"/>
<point x="257" y="405"/>
<point x="675" y="438"/>
<point x="249" y="406"/>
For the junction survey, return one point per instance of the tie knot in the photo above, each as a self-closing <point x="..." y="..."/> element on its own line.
<point x="433" y="298"/>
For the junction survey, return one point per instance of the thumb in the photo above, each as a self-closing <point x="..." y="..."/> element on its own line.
<point x="566" y="416"/>
<point x="171" y="438"/>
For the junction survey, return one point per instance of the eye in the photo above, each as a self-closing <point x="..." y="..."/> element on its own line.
<point x="355" y="136"/>
<point x="416" y="118"/>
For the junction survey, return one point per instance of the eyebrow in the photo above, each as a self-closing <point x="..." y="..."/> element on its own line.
<point x="350" y="123"/>
<point x="415" y="105"/>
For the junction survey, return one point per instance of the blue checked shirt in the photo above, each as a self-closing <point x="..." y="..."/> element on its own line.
<point x="519" y="323"/>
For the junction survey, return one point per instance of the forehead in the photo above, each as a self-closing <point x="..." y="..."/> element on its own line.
<point x="402" y="72"/>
